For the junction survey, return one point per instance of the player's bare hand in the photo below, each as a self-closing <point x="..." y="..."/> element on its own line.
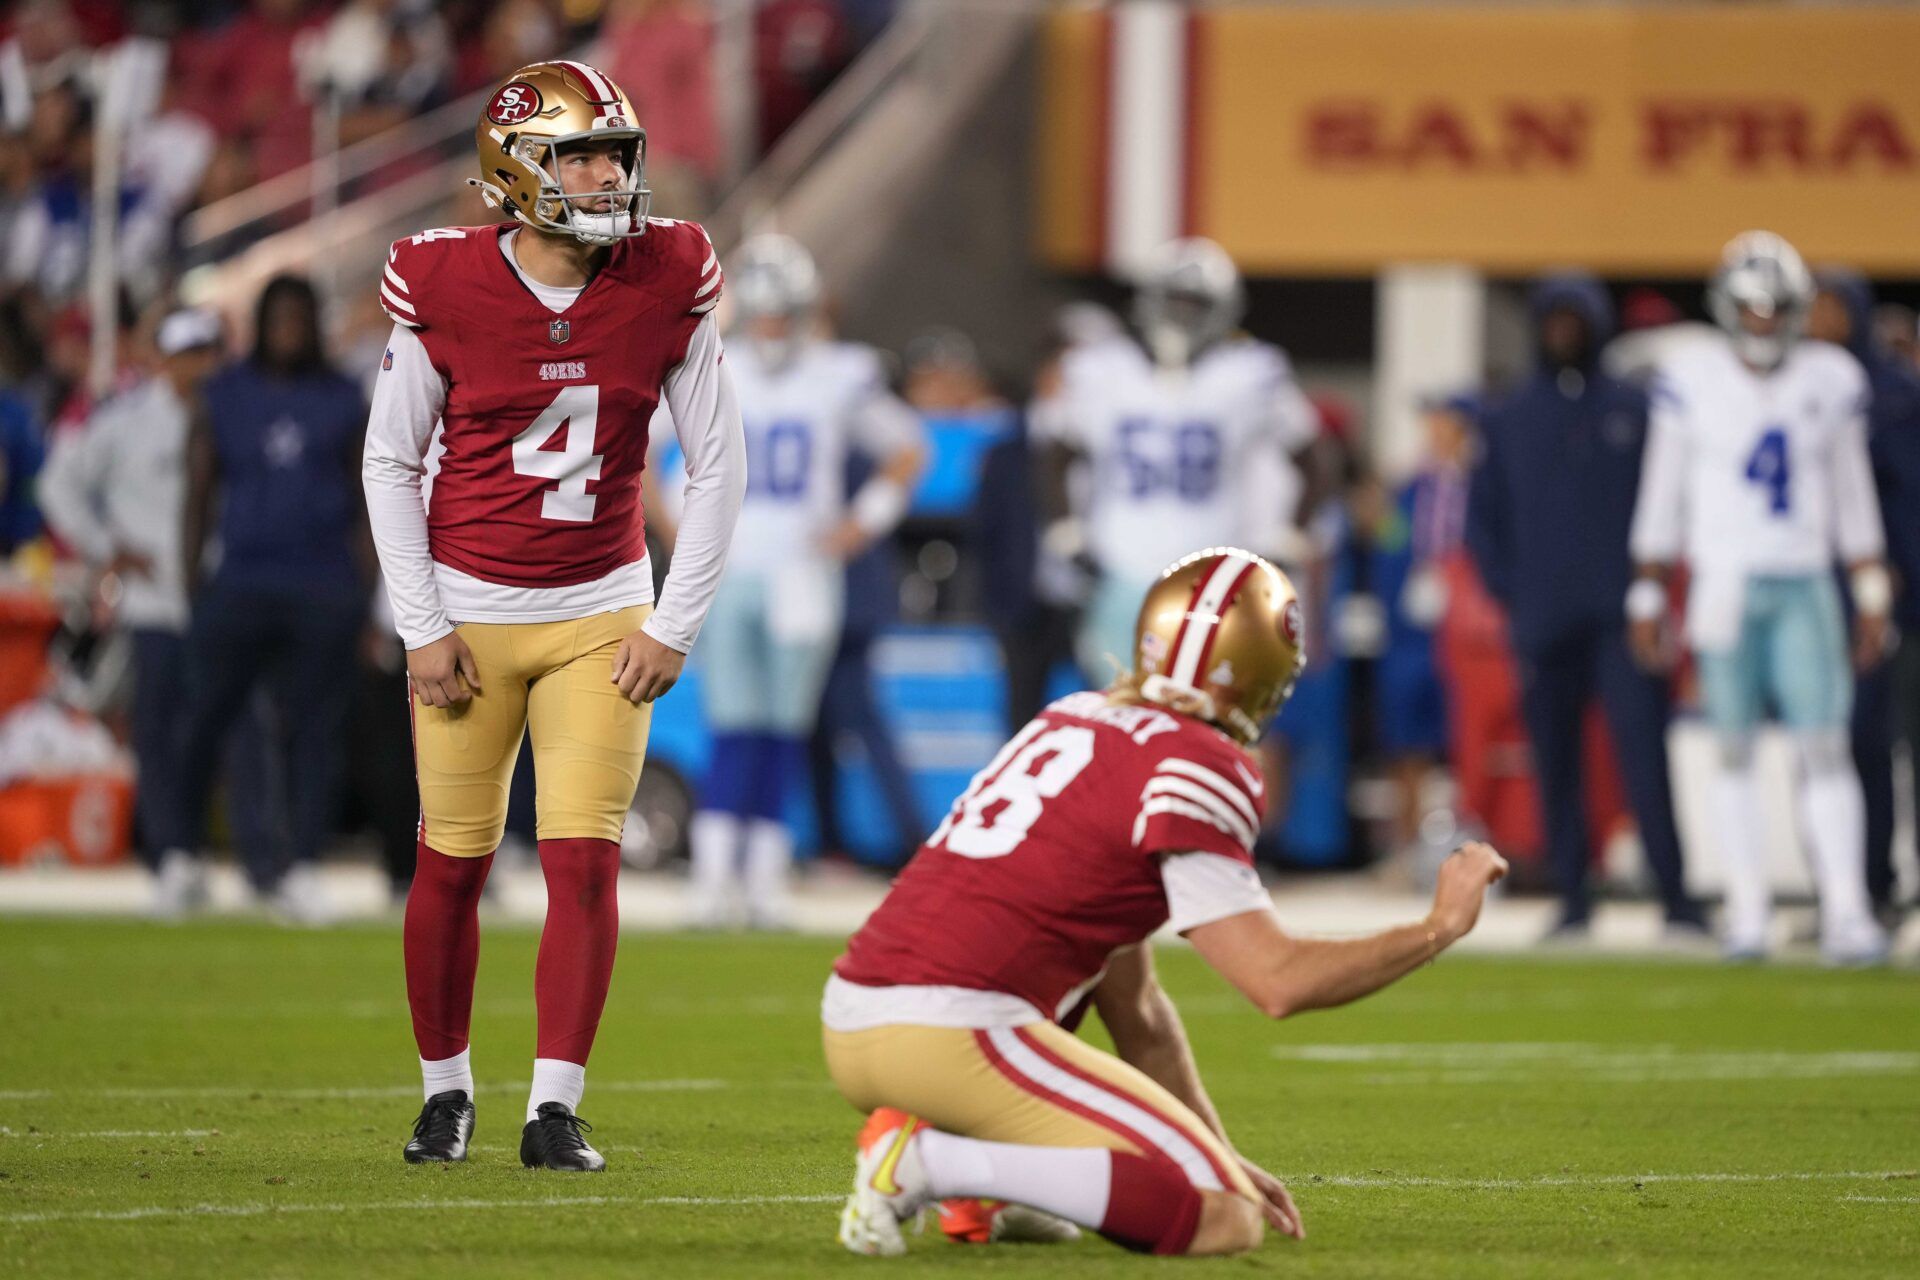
<point x="1465" y="877"/>
<point x="1871" y="633"/>
<point x="845" y="540"/>
<point x="1647" y="638"/>
<point x="443" y="673"/>
<point x="644" y="668"/>
<point x="1275" y="1204"/>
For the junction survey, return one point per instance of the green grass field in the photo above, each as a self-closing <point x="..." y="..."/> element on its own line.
<point x="230" y="1100"/>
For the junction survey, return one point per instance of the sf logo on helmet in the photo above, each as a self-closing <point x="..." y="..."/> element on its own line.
<point x="516" y="103"/>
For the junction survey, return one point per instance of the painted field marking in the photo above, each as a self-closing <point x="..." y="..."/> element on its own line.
<point x="391" y="1206"/>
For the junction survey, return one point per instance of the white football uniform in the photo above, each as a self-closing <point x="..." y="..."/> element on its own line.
<point x="1753" y="475"/>
<point x="1177" y="461"/>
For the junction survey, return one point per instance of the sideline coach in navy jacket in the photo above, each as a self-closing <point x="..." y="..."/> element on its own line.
<point x="1551" y="502"/>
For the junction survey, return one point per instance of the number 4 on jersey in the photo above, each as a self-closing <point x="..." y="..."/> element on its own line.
<point x="577" y="409"/>
<point x="1768" y="467"/>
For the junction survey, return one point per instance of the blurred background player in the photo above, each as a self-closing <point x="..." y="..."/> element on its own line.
<point x="1886" y="695"/>
<point x="117" y="492"/>
<point x="274" y="513"/>
<point x="1757" y="476"/>
<point x="540" y="347"/>
<point x="1547" y="523"/>
<point x="806" y="403"/>
<point x="951" y="1016"/>
<point x="1183" y="436"/>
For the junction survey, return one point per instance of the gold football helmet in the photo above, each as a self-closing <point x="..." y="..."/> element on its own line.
<point x="1221" y="637"/>
<point x="527" y="120"/>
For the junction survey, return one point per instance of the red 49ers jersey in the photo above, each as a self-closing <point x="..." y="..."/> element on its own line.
<point x="545" y="425"/>
<point x="1048" y="863"/>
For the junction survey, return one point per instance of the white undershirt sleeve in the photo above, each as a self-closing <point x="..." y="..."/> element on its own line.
<point x="706" y="417"/>
<point x="1204" y="887"/>
<point x="70" y="486"/>
<point x="1658" y="534"/>
<point x="407" y="402"/>
<point x="1856" y="502"/>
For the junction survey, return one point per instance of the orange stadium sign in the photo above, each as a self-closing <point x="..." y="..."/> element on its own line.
<point x="1627" y="139"/>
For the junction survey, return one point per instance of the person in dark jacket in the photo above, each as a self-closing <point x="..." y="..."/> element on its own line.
<point x="1551" y="502"/>
<point x="1886" y="700"/>
<point x="274" y="476"/>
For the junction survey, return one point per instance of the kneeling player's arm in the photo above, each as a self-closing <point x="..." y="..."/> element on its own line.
<point x="707" y="419"/>
<point x="1147" y="1031"/>
<point x="408" y="398"/>
<point x="1284" y="974"/>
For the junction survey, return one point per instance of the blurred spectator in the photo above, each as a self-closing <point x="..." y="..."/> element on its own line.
<point x="115" y="492"/>
<point x="1896" y="326"/>
<point x="661" y="53"/>
<point x="49" y="46"/>
<point x="249" y="83"/>
<point x="511" y="34"/>
<point x="799" y="47"/>
<point x="382" y="61"/>
<point x="1552" y="499"/>
<point x="20" y="459"/>
<point x="1427" y="529"/>
<point x="278" y="450"/>
<point x="1886" y="701"/>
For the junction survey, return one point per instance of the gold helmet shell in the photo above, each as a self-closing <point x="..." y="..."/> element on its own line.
<point x="528" y="118"/>
<point x="1221" y="636"/>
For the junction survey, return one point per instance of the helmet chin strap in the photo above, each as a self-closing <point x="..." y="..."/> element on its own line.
<point x="1762" y="351"/>
<point x="1172" y="347"/>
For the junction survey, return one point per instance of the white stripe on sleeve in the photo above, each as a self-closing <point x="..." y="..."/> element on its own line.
<point x="1234" y="795"/>
<point x="1222" y="815"/>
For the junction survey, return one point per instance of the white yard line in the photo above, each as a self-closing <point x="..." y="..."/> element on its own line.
<point x="392" y="1206"/>
<point x="1880" y="1199"/>
<point x="108" y="1133"/>
<point x="1503" y="1062"/>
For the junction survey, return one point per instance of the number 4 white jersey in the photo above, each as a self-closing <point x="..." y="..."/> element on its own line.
<point x="1178" y="460"/>
<point x="802" y="419"/>
<point x="1755" y="473"/>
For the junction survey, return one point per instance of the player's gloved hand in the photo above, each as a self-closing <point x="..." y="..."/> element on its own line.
<point x="444" y="672"/>
<point x="644" y="668"/>
<point x="1465" y="877"/>
<point x="1275" y="1204"/>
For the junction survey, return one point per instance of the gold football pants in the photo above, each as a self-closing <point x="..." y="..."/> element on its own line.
<point x="1038" y="1085"/>
<point x="555" y="678"/>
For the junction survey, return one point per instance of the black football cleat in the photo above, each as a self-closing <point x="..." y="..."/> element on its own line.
<point x="440" y="1134"/>
<point x="552" y="1140"/>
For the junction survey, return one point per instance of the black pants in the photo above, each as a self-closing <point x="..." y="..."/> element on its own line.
<point x="847" y="706"/>
<point x="1555" y="688"/>
<point x="299" y="645"/>
<point x="1886" y="710"/>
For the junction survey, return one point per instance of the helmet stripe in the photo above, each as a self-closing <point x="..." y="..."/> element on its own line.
<point x="607" y="99"/>
<point x="1195" y="642"/>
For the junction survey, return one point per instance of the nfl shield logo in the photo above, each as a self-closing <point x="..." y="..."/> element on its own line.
<point x="558" y="331"/>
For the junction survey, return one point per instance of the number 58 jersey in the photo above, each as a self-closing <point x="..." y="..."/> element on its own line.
<point x="544" y="426"/>
<point x="1051" y="860"/>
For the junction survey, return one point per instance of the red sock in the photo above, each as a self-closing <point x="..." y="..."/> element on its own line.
<point x="576" y="946"/>
<point x="442" y="944"/>
<point x="1151" y="1207"/>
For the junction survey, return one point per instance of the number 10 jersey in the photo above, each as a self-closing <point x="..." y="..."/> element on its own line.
<point x="1051" y="860"/>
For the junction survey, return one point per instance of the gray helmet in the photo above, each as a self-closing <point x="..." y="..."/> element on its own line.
<point x="1763" y="274"/>
<point x="773" y="276"/>
<point x="1190" y="297"/>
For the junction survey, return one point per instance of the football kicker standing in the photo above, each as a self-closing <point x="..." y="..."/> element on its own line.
<point x="1757" y="474"/>
<point x="518" y="575"/>
<point x="950" y="1017"/>
<point x="1188" y="437"/>
<point x="776" y="618"/>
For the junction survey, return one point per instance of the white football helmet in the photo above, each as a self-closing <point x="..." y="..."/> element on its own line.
<point x="773" y="276"/>
<point x="1190" y="297"/>
<point x="1762" y="275"/>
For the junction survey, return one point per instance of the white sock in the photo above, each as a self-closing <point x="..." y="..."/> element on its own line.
<point x="1835" y="818"/>
<point x="769" y="863"/>
<point x="556" y="1080"/>
<point x="448" y="1073"/>
<point x="715" y="841"/>
<point x="1743" y="854"/>
<point x="1069" y="1182"/>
